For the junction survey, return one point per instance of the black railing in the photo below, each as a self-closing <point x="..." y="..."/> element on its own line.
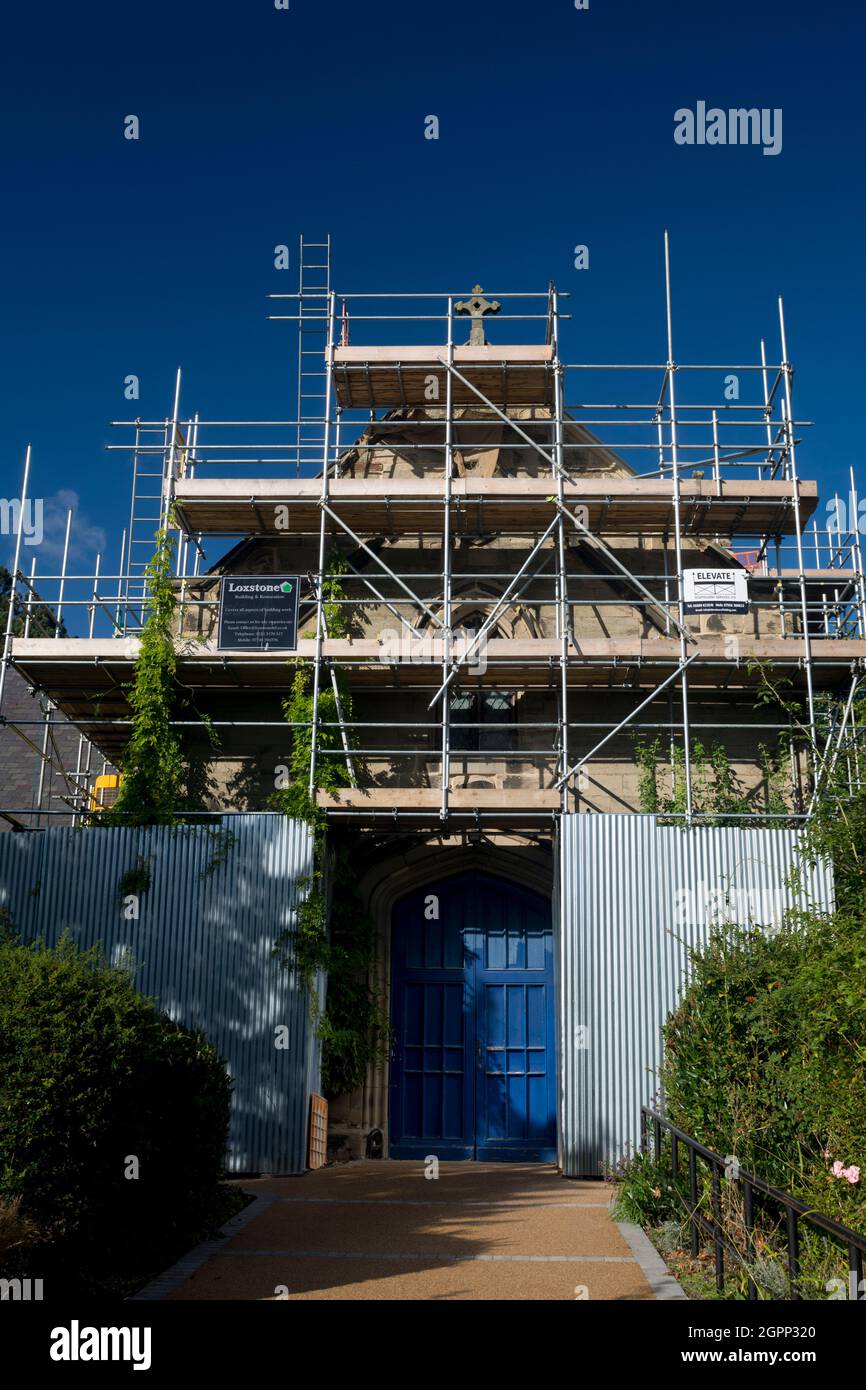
<point x="795" y="1212"/>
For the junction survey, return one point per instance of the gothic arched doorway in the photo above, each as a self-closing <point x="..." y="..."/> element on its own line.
<point x="473" y="1074"/>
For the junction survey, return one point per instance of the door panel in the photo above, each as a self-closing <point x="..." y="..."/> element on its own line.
<point x="473" y="1071"/>
<point x="431" y="1069"/>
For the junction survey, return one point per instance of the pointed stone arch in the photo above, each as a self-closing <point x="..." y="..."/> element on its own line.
<point x="391" y="878"/>
<point x="471" y="597"/>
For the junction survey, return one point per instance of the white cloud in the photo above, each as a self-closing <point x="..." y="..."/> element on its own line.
<point x="85" y="538"/>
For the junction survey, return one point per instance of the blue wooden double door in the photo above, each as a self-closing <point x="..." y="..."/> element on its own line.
<point x="473" y="1071"/>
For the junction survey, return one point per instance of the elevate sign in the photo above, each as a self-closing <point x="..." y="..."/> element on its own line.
<point x="259" y="613"/>
<point x="715" y="591"/>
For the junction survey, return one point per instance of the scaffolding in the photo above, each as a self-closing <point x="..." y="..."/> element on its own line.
<point x="598" y="453"/>
<point x="81" y="787"/>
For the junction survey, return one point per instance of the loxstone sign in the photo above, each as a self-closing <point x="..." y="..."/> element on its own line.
<point x="259" y="613"/>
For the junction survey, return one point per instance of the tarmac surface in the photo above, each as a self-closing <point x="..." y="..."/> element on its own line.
<point x="382" y="1230"/>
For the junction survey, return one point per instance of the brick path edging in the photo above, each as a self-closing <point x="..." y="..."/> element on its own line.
<point x="663" y="1284"/>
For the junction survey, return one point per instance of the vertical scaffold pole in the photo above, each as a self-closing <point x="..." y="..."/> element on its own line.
<point x="446" y="567"/>
<point x="119" y="615"/>
<point x="660" y="429"/>
<point x="87" y="787"/>
<point x="64" y="563"/>
<point x="79" y="803"/>
<point x="299" y="402"/>
<point x="169" y="461"/>
<point x="183" y="544"/>
<point x="13" y="583"/>
<point x="788" y="426"/>
<point x="94" y="599"/>
<point x="768" y="419"/>
<point x="320" y="578"/>
<point x="126" y="577"/>
<point x="48" y="708"/>
<point x="31" y="590"/>
<point x="675" y="471"/>
<point x="767" y="410"/>
<point x="92" y="607"/>
<point x="854" y="528"/>
<point x="43" y="762"/>
<point x="561" y="553"/>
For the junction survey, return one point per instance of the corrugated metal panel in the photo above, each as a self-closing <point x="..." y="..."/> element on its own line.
<point x="634" y="898"/>
<point x="20" y="874"/>
<point x="202" y="945"/>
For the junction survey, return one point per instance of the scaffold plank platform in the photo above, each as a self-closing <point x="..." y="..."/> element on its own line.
<point x="88" y="679"/>
<point x="368" y="378"/>
<point x="514" y="806"/>
<point x="516" y="506"/>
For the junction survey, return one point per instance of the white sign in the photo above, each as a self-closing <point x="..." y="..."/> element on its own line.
<point x="715" y="591"/>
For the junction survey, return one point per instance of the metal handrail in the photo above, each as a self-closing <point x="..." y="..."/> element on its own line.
<point x="795" y="1210"/>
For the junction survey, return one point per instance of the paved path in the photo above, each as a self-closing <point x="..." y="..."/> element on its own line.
<point x="371" y="1230"/>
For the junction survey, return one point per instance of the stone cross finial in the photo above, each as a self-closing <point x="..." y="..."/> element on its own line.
<point x="476" y="308"/>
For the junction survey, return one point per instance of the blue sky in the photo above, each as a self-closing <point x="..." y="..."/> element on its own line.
<point x="556" y="128"/>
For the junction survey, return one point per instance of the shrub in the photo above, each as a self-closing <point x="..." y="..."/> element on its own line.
<point x="92" y="1075"/>
<point x="647" y="1193"/>
<point x="17" y="1232"/>
<point x="765" y="1058"/>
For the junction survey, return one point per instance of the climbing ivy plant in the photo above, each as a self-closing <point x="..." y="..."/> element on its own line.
<point x="332" y="934"/>
<point x="152" y="764"/>
<point x="332" y="766"/>
<point x="836" y="827"/>
<point x="718" y="794"/>
<point x="160" y="779"/>
<point x="336" y="618"/>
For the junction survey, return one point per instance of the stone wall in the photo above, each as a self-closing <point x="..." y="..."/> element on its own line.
<point x="602" y="604"/>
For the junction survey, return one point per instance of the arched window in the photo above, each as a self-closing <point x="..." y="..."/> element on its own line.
<point x="482" y="721"/>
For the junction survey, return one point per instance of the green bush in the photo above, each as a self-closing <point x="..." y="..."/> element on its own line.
<point x="765" y="1058"/>
<point x="17" y="1234"/>
<point x="92" y="1075"/>
<point x="647" y="1193"/>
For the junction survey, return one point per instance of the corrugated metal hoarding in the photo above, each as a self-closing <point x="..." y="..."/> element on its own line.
<point x="202" y="947"/>
<point x="634" y="898"/>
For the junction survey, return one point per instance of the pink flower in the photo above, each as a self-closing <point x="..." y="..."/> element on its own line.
<point x="851" y="1174"/>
